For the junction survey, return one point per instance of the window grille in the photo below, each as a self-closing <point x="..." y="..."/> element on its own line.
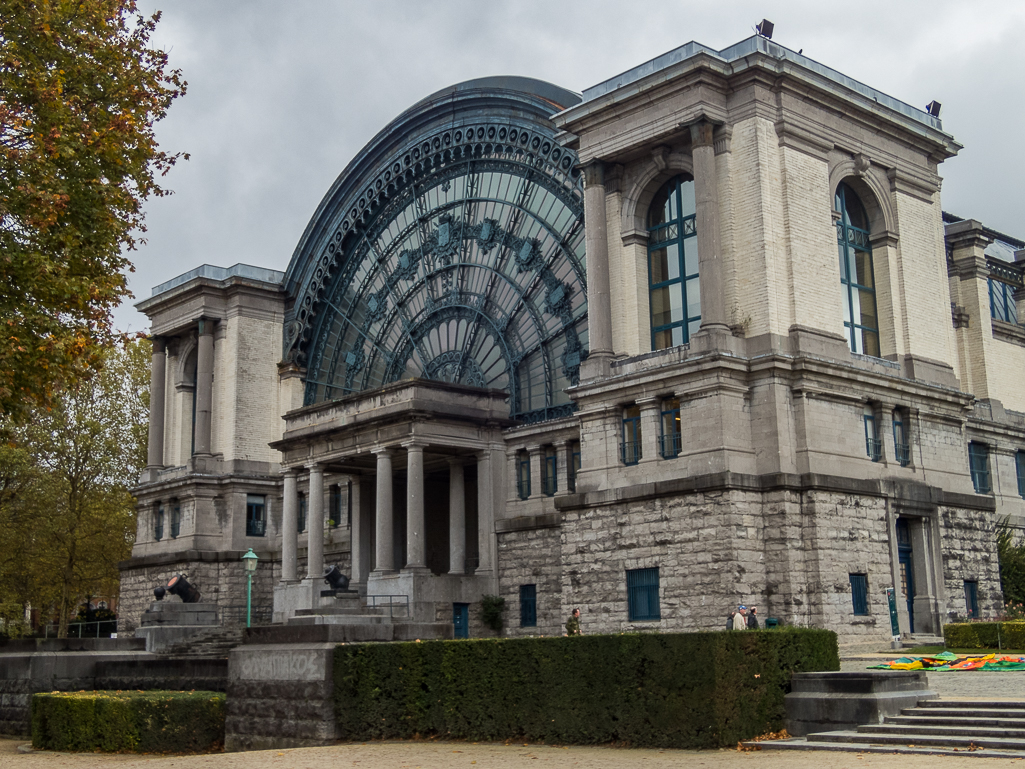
<point x="1001" y="301"/>
<point x="176" y="520"/>
<point x="630" y="449"/>
<point x="528" y="605"/>
<point x="549" y="471"/>
<point x="158" y="524"/>
<point x="671" y="430"/>
<point x="642" y="594"/>
<point x="574" y="466"/>
<point x="873" y="446"/>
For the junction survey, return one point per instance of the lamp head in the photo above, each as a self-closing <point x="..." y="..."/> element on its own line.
<point x="250" y="559"/>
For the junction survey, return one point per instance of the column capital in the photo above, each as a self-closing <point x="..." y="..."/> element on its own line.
<point x="701" y="134"/>
<point x="386" y="451"/>
<point x="594" y="173"/>
<point x="290" y="471"/>
<point x="315" y="467"/>
<point x="648" y="401"/>
<point x="206" y="326"/>
<point x="159" y="344"/>
<point x="414" y="445"/>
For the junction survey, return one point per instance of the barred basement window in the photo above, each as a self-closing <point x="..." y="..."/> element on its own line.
<point x="158" y="523"/>
<point x="971" y="598"/>
<point x="873" y="446"/>
<point x="978" y="463"/>
<point x="549" y="471"/>
<point x="859" y="594"/>
<point x="523" y="474"/>
<point x="642" y="595"/>
<point x="528" y="605"/>
<point x="176" y="518"/>
<point x="1001" y="302"/>
<point x="300" y="518"/>
<point x="256" y="515"/>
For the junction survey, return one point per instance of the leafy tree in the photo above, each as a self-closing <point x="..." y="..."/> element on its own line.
<point x="69" y="516"/>
<point x="1011" y="552"/>
<point x="80" y="91"/>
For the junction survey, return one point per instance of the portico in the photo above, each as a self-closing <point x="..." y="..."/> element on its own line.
<point x="425" y="462"/>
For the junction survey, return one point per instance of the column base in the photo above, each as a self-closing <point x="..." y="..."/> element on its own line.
<point x="415" y="569"/>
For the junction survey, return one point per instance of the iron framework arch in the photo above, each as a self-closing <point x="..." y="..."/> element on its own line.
<point x="452" y="249"/>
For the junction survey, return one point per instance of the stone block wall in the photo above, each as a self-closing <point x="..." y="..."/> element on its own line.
<point x="532" y="557"/>
<point x="970" y="553"/>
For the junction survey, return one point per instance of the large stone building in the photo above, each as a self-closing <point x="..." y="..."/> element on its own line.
<point x="700" y="337"/>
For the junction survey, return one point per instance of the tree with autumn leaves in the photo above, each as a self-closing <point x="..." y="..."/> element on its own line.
<point x="80" y="91"/>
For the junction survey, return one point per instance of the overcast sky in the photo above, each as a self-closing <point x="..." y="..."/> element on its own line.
<point x="283" y="94"/>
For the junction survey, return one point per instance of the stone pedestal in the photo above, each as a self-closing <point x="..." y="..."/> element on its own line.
<point x="825" y="702"/>
<point x="167" y="622"/>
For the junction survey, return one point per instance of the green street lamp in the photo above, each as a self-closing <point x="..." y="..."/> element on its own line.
<point x="250" y="559"/>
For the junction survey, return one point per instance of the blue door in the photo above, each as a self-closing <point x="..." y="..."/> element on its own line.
<point x="905" y="564"/>
<point x="461" y="620"/>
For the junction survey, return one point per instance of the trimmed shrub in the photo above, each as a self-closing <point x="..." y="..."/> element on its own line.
<point x="691" y="690"/>
<point x="984" y="635"/>
<point x="144" y="722"/>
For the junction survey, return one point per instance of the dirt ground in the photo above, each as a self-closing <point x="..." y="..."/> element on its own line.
<point x="462" y="755"/>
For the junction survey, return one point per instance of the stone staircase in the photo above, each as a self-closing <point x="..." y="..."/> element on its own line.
<point x="980" y="727"/>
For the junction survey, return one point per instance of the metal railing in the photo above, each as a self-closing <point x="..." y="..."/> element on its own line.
<point x="97" y="629"/>
<point x="670" y="445"/>
<point x="523" y="487"/>
<point x="548" y="484"/>
<point x="874" y="447"/>
<point x="256" y="528"/>
<point x="389" y="601"/>
<point x="902" y="452"/>
<point x="630" y="452"/>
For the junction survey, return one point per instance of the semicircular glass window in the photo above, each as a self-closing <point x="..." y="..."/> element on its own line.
<point x="472" y="272"/>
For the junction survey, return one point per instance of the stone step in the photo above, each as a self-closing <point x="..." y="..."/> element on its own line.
<point x="800" y="743"/>
<point x="944" y="730"/>
<point x="974" y="704"/>
<point x="356" y="610"/>
<point x="972" y="720"/>
<point x="987" y="711"/>
<point x="338" y="619"/>
<point x="876" y="738"/>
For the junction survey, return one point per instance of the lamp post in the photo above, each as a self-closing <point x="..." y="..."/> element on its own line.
<point x="250" y="559"/>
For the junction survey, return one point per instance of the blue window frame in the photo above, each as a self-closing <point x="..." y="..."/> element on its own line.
<point x="528" y="605"/>
<point x="158" y="523"/>
<point x="256" y="515"/>
<point x="574" y="465"/>
<point x="859" y="594"/>
<point x="1019" y="462"/>
<point x="176" y="519"/>
<point x="523" y="474"/>
<point x="301" y="513"/>
<point x="971" y="598"/>
<point x="873" y="446"/>
<point x="642" y="594"/>
<point x="1001" y="301"/>
<point x="674" y="289"/>
<point x="860" y="320"/>
<point x="630" y="451"/>
<point x="671" y="434"/>
<point x="549" y="471"/>
<point x="978" y="463"/>
<point x="901" y="447"/>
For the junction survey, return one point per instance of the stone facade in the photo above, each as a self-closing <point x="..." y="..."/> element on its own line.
<point x="783" y="452"/>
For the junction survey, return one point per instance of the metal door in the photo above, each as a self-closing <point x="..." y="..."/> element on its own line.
<point x="461" y="620"/>
<point x="907" y="576"/>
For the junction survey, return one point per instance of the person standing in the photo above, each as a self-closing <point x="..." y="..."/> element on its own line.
<point x="573" y="623"/>
<point x="729" y="620"/>
<point x="752" y="619"/>
<point x="740" y="619"/>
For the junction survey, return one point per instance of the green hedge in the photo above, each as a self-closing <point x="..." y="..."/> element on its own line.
<point x="693" y="690"/>
<point x="985" y="635"/>
<point x="145" y="722"/>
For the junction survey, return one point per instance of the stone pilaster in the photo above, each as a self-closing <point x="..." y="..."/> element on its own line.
<point x="204" y="385"/>
<point x="599" y="299"/>
<point x="706" y="198"/>
<point x="158" y="381"/>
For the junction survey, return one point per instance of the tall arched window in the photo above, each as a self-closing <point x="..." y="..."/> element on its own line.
<point x="859" y="293"/>
<point x="675" y="296"/>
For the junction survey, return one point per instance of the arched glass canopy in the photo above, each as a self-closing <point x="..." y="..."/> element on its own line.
<point x="452" y="249"/>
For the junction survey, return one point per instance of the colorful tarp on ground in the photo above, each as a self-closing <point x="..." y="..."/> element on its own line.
<point x="950" y="661"/>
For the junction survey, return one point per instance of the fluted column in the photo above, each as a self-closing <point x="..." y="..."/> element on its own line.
<point x="416" y="551"/>
<point x="289" y="528"/>
<point x="157" y="389"/>
<point x="385" y="513"/>
<point x="706" y="199"/>
<point x="456" y="517"/>
<point x="315" y="527"/>
<point x="599" y="296"/>
<point x="204" y="385"/>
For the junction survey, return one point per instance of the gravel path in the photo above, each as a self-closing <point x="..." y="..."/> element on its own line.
<point x="461" y="755"/>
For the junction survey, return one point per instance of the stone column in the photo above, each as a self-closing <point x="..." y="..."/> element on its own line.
<point x="385" y="522"/>
<point x="599" y="296"/>
<point x="485" y="515"/>
<point x="315" y="526"/>
<point x="158" y="381"/>
<point x="537" y="486"/>
<point x="289" y="528"/>
<point x="204" y="385"/>
<point x="358" y="567"/>
<point x="416" y="550"/>
<point x="706" y="198"/>
<point x="456" y="517"/>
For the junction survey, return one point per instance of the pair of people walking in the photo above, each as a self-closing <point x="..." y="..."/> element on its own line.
<point x="743" y="619"/>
